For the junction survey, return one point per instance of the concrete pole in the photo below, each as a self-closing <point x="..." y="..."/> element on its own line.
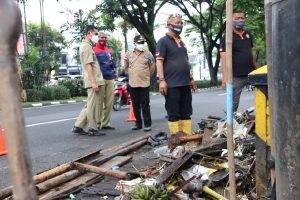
<point x="285" y="84"/>
<point x="229" y="90"/>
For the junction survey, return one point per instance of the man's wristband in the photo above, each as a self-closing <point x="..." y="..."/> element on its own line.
<point x="161" y="79"/>
<point x="191" y="78"/>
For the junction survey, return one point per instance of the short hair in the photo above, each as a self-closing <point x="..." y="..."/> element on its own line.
<point x="238" y="11"/>
<point x="89" y="28"/>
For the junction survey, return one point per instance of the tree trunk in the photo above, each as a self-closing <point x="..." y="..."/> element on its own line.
<point x="152" y="49"/>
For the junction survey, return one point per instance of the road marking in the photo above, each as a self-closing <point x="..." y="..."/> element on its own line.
<point x="37" y="104"/>
<point x="50" y="122"/>
<point x="222" y="94"/>
<point x="71" y="101"/>
<point x="50" y="106"/>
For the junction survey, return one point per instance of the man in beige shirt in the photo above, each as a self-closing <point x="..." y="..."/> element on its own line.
<point x="140" y="66"/>
<point x="93" y="82"/>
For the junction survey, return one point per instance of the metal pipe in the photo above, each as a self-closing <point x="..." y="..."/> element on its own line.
<point x="18" y="154"/>
<point x="229" y="90"/>
<point x="285" y="81"/>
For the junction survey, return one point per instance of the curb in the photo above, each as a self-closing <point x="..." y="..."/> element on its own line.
<point x="52" y="103"/>
<point x="74" y="101"/>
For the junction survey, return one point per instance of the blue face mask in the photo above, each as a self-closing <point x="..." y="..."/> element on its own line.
<point x="238" y="24"/>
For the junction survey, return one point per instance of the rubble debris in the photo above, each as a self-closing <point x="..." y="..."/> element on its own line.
<point x="100" y="191"/>
<point x="177" y="164"/>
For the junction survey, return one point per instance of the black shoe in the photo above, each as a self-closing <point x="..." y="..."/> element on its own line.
<point x="108" y="127"/>
<point x="135" y="128"/>
<point x="94" y="132"/>
<point x="147" y="128"/>
<point x="79" y="131"/>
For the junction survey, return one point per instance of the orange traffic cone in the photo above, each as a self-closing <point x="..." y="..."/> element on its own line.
<point x="2" y="143"/>
<point x="131" y="114"/>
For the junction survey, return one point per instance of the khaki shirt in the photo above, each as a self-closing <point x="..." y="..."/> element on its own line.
<point x="140" y="67"/>
<point x="87" y="56"/>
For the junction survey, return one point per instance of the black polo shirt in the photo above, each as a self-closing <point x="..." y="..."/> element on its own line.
<point x="242" y="57"/>
<point x="176" y="64"/>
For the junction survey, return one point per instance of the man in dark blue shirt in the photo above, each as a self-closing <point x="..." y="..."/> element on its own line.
<point x="104" y="57"/>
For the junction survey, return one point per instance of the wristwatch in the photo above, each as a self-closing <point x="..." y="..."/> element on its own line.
<point x="191" y="78"/>
<point x="161" y="79"/>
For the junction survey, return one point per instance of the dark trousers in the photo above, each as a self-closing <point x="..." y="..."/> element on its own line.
<point x="238" y="84"/>
<point x="141" y="102"/>
<point x="179" y="103"/>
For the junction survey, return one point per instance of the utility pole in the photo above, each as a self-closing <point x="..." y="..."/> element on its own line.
<point x="285" y="86"/>
<point x="229" y="90"/>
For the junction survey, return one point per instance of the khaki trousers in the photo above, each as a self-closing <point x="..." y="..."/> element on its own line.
<point x="89" y="115"/>
<point x="107" y="102"/>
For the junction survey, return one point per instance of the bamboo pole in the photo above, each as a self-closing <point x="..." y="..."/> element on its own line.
<point x="70" y="175"/>
<point x="99" y="170"/>
<point x="18" y="153"/>
<point x="44" y="176"/>
<point x="229" y="90"/>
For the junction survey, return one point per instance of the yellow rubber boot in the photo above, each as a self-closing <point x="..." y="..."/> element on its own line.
<point x="173" y="127"/>
<point x="180" y="125"/>
<point x="187" y="129"/>
<point x="186" y="126"/>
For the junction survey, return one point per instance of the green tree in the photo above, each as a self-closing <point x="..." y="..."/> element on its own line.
<point x="207" y="17"/>
<point x="37" y="65"/>
<point x="81" y="19"/>
<point x="141" y="15"/>
<point x="210" y="24"/>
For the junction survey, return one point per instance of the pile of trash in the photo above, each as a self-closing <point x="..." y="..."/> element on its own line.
<point x="198" y="169"/>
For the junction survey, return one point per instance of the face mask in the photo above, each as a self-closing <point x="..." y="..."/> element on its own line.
<point x="95" y="39"/>
<point x="103" y="42"/>
<point x="177" y="29"/>
<point x="140" y="47"/>
<point x="238" y="24"/>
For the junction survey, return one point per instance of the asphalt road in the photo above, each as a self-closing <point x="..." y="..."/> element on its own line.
<point x="52" y="143"/>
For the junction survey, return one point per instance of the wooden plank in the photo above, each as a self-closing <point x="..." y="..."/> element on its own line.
<point x="82" y="180"/>
<point x="176" y="165"/>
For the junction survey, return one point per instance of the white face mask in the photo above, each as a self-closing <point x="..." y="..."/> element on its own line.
<point x="95" y="39"/>
<point x="140" y="47"/>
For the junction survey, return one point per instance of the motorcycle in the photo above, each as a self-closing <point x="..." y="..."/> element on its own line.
<point x="121" y="93"/>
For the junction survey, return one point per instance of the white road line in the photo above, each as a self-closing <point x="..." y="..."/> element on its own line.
<point x="37" y="104"/>
<point x="51" y="106"/>
<point x="222" y="94"/>
<point x="50" y="122"/>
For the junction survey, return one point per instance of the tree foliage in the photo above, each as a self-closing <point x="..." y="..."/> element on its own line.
<point x="140" y="14"/>
<point x="37" y="66"/>
<point x="209" y="23"/>
<point x="207" y="17"/>
<point x="81" y="19"/>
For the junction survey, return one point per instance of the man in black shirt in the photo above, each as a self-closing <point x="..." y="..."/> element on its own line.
<point x="176" y="82"/>
<point x="243" y="61"/>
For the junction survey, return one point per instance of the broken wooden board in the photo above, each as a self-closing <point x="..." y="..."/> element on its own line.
<point x="174" y="167"/>
<point x="82" y="180"/>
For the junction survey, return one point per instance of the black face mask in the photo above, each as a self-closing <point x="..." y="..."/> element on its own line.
<point x="238" y="24"/>
<point x="177" y="29"/>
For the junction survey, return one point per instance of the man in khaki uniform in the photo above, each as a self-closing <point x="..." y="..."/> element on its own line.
<point x="93" y="82"/>
<point x="140" y="66"/>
